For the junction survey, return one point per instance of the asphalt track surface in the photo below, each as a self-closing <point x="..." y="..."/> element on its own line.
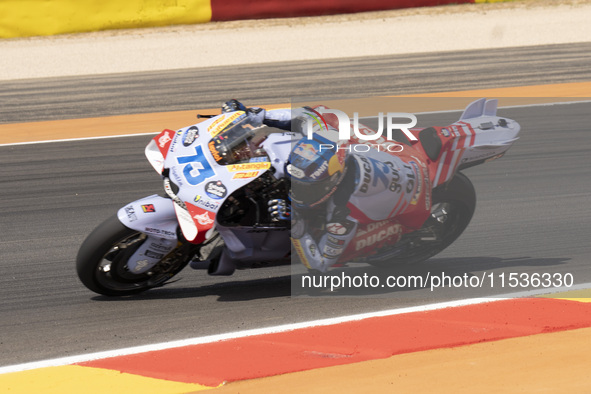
<point x="531" y="216"/>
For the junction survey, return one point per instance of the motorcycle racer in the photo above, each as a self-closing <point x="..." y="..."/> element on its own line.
<point x="231" y="185"/>
<point x="338" y="186"/>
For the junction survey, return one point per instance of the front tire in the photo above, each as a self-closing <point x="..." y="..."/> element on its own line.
<point x="101" y="263"/>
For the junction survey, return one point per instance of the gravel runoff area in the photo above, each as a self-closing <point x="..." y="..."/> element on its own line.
<point x="446" y="28"/>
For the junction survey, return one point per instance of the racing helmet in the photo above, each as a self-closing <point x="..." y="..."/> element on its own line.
<point x="316" y="167"/>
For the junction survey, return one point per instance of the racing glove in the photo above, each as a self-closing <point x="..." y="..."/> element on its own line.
<point x="279" y="210"/>
<point x="233" y="105"/>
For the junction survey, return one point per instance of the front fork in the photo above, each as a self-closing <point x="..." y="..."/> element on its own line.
<point x="156" y="218"/>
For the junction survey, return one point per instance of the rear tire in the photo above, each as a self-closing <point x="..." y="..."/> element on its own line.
<point x="454" y="203"/>
<point x="101" y="263"/>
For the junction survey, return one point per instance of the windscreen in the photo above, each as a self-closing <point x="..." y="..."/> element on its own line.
<point x="237" y="144"/>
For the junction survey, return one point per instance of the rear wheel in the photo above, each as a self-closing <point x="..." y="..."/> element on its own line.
<point x="101" y="263"/>
<point x="452" y="208"/>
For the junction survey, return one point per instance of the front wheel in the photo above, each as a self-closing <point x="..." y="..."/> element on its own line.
<point x="453" y="205"/>
<point x="101" y="263"/>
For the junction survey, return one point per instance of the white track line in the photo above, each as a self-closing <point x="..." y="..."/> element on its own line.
<point x="277" y="329"/>
<point x="365" y="117"/>
<point x="77" y="139"/>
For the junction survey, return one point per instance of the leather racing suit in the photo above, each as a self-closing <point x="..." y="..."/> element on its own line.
<point x="379" y="186"/>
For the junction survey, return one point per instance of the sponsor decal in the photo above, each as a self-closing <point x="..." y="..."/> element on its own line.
<point x="204" y="219"/>
<point x="335" y="241"/>
<point x="158" y="247"/>
<point x="214" y="152"/>
<point x="295" y="172"/>
<point x="177" y="179"/>
<point x="153" y="255"/>
<point x="331" y="252"/>
<point x="201" y="220"/>
<point x="417" y="195"/>
<point x="248" y="166"/>
<point x="191" y="135"/>
<point x="366" y="175"/>
<point x="207" y="204"/>
<point x="395" y="177"/>
<point x="216" y="190"/>
<point x="219" y="124"/>
<point x="153" y="230"/>
<point x="373" y="237"/>
<point x="164" y="139"/>
<point x="410" y="177"/>
<point x="174" y="142"/>
<point x="445" y="132"/>
<point x="320" y="171"/>
<point x="372" y="226"/>
<point x="245" y="175"/>
<point x="312" y="248"/>
<point x="297" y="245"/>
<point x="148" y="208"/>
<point x="130" y="213"/>
<point x="307" y="151"/>
<point x="427" y="187"/>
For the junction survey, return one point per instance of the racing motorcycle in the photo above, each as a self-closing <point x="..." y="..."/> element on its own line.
<point x="219" y="176"/>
